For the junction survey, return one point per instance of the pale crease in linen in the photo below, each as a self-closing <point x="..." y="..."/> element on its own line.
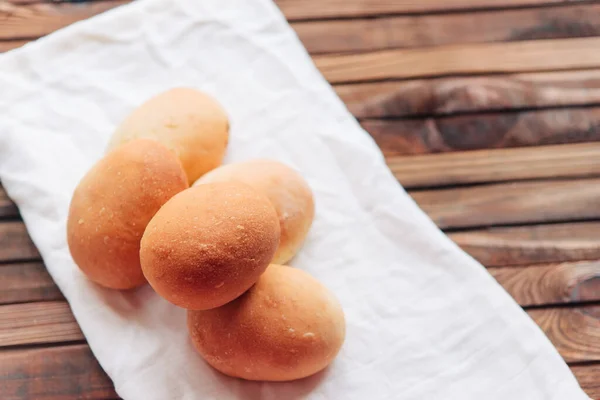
<point x="425" y="321"/>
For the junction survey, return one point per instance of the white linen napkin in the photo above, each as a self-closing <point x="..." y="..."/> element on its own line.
<point x="425" y="321"/>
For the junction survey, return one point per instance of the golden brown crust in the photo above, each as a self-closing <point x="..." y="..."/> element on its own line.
<point x="189" y="122"/>
<point x="112" y="205"/>
<point x="288" y="191"/>
<point x="209" y="244"/>
<point x="287" y="326"/>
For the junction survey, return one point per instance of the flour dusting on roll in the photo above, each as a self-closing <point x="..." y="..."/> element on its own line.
<point x="189" y="122"/>
<point x="288" y="191"/>
<point x="112" y="205"/>
<point x="287" y="326"/>
<point x="209" y="244"/>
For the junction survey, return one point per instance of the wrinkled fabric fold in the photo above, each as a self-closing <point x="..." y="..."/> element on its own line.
<point x="424" y="320"/>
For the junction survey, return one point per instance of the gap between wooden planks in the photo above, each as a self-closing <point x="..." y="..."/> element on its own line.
<point x="39" y="19"/>
<point x="355" y="35"/>
<point x="315" y="9"/>
<point x="362" y="35"/>
<point x="329" y="9"/>
<point x="530" y="285"/>
<point x="541" y="245"/>
<point x="553" y="283"/>
<point x="73" y="373"/>
<point x="421" y="97"/>
<point x="574" y="331"/>
<point x="526" y="56"/>
<point x="546" y="202"/>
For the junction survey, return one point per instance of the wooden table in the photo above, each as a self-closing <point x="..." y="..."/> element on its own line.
<point x="488" y="112"/>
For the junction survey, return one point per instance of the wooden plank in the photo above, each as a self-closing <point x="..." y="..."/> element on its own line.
<point x="512" y="203"/>
<point x="7" y="207"/>
<point x="358" y="35"/>
<point x="529" y="285"/>
<point x="318" y="9"/>
<point x="11" y="44"/>
<point x="572" y="282"/>
<point x="535" y="244"/>
<point x="55" y="373"/>
<point x="33" y="323"/>
<point x="499" y="246"/>
<point x="71" y="372"/>
<point x="51" y="322"/>
<point x="525" y="56"/>
<point x="589" y="378"/>
<point x="575" y="332"/>
<point x="35" y="20"/>
<point x="32" y="20"/>
<point x="551" y="284"/>
<point x="16" y="245"/>
<point x="21" y="283"/>
<point x="451" y="95"/>
<point x="485" y="131"/>
<point x="498" y="165"/>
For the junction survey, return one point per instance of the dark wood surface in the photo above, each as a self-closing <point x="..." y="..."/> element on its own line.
<point x="488" y="112"/>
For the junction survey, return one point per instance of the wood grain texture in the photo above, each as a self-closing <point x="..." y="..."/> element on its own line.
<point x="31" y="19"/>
<point x="498" y="165"/>
<point x="575" y="332"/>
<point x="451" y="95"/>
<point x="11" y="44"/>
<point x="72" y="373"/>
<point x="7" y="207"/>
<point x="28" y="282"/>
<point x="485" y="131"/>
<point x="35" y="20"/>
<point x="529" y="285"/>
<point x="512" y="203"/>
<point x="359" y="35"/>
<point x="16" y="245"/>
<point x="56" y="373"/>
<point x="551" y="284"/>
<point x="315" y="9"/>
<point x="493" y="247"/>
<point x="33" y="323"/>
<point x="526" y="245"/>
<point x="588" y="377"/>
<point x="525" y="56"/>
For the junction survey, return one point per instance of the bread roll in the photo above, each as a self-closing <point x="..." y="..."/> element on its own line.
<point x="187" y="121"/>
<point x="209" y="244"/>
<point x="287" y="326"/>
<point x="288" y="191"/>
<point x="112" y="205"/>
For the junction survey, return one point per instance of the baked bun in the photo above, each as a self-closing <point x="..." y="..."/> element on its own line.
<point x="288" y="191"/>
<point x="209" y="244"/>
<point x="112" y="205"/>
<point x="187" y="121"/>
<point x="287" y="326"/>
